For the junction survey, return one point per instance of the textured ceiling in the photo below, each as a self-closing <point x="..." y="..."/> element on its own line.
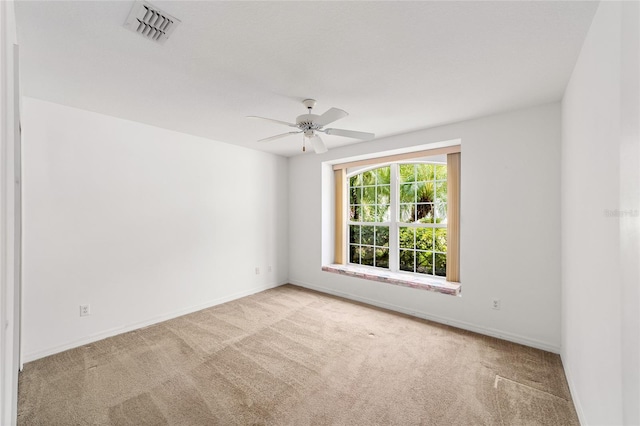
<point x="394" y="66"/>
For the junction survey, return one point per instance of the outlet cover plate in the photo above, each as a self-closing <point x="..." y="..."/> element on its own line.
<point x="495" y="304"/>
<point x="85" y="310"/>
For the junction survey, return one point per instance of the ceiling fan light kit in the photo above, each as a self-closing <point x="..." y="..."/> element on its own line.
<point x="310" y="124"/>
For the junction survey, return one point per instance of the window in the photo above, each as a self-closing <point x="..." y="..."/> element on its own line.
<point x="417" y="216"/>
<point x="400" y="214"/>
<point x="423" y="218"/>
<point x="369" y="217"/>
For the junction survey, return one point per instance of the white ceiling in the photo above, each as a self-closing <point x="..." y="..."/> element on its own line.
<point x="394" y="66"/>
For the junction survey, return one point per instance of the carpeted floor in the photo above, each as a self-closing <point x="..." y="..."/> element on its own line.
<point x="290" y="356"/>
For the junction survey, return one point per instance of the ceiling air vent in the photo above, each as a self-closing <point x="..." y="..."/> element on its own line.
<point x="151" y="22"/>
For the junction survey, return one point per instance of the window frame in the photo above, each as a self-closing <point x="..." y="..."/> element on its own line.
<point x="412" y="279"/>
<point x="394" y="224"/>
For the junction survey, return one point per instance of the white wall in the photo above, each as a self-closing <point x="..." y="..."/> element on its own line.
<point x="141" y="223"/>
<point x="600" y="162"/>
<point x="9" y="219"/>
<point x="629" y="174"/>
<point x="510" y="233"/>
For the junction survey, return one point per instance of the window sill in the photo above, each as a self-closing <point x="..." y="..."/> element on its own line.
<point x="405" y="280"/>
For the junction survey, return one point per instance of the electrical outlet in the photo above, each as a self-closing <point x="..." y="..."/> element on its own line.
<point x="495" y="304"/>
<point x="85" y="310"/>
<point x="269" y="269"/>
<point x="257" y="270"/>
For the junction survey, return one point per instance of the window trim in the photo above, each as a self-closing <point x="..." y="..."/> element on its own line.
<point x="399" y="157"/>
<point x="404" y="279"/>
<point x="340" y="177"/>
<point x="453" y="216"/>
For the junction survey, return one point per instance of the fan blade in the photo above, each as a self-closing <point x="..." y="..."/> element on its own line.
<point x="318" y="146"/>
<point x="350" y="134"/>
<point x="278" y="136"/>
<point x="275" y="121"/>
<point x="330" y="116"/>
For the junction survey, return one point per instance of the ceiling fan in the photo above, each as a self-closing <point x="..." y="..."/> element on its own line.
<point x="311" y="124"/>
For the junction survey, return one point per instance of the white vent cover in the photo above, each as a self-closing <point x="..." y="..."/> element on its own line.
<point x="150" y="22"/>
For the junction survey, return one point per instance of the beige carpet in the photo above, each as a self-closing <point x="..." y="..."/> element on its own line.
<point x="290" y="356"/>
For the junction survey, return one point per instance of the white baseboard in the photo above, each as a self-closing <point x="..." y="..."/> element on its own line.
<point x="573" y="391"/>
<point x="119" y="330"/>
<point x="439" y="319"/>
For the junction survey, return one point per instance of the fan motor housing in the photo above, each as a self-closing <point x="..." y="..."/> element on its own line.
<point x="307" y="122"/>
